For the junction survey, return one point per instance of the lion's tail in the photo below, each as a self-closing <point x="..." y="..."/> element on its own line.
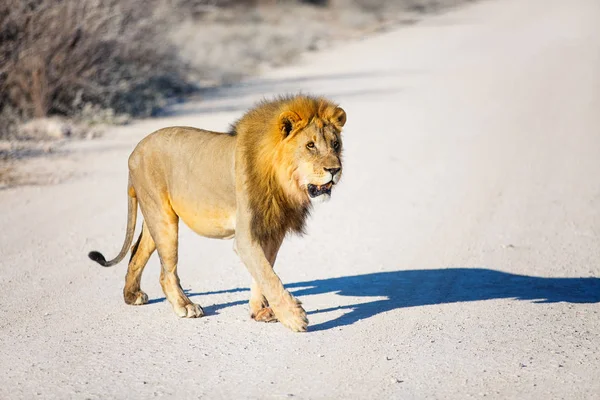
<point x="131" y="218"/>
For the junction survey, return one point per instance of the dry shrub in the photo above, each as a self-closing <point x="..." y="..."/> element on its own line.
<point x="64" y="56"/>
<point x="99" y="59"/>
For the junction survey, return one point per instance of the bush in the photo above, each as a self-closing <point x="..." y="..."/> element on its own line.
<point x="61" y="56"/>
<point x="96" y="59"/>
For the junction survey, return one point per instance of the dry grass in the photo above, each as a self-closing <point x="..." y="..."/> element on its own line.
<point x="233" y="43"/>
<point x="224" y="44"/>
<point x="67" y="56"/>
<point x="99" y="59"/>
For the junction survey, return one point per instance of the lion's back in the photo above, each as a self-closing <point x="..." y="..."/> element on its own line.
<point x="175" y="144"/>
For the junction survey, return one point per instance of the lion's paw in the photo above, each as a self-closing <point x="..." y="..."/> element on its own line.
<point x="136" y="298"/>
<point x="292" y="315"/>
<point x="264" y="315"/>
<point x="189" y="311"/>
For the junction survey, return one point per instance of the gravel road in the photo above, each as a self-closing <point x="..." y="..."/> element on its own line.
<point x="460" y="256"/>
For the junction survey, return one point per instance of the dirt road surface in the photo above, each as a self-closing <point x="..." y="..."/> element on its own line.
<point x="459" y="258"/>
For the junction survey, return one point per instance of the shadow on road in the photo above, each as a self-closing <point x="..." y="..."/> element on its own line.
<point x="441" y="286"/>
<point x="412" y="288"/>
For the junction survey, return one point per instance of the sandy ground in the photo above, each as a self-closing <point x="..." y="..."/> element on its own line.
<point x="459" y="258"/>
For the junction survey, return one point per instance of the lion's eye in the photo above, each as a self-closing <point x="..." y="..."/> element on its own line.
<point x="336" y="145"/>
<point x="310" y="145"/>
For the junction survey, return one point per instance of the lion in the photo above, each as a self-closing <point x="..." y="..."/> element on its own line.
<point x="254" y="184"/>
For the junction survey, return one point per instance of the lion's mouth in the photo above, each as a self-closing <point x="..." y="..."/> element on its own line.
<point x="318" y="190"/>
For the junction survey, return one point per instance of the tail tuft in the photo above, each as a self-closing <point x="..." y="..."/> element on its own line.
<point x="131" y="216"/>
<point x="98" y="257"/>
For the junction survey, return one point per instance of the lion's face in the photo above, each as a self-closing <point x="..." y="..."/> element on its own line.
<point x="318" y="159"/>
<point x="314" y="152"/>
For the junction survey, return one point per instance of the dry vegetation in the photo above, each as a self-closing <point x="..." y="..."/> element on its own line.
<point x="72" y="57"/>
<point x="96" y="60"/>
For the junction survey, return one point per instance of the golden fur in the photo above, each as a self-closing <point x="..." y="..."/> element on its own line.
<point x="255" y="184"/>
<point x="275" y="209"/>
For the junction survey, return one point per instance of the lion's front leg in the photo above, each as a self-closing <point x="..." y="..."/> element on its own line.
<point x="259" y="306"/>
<point x="268" y="289"/>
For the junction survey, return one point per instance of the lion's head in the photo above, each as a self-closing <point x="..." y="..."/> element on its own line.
<point x="292" y="153"/>
<point x="309" y="155"/>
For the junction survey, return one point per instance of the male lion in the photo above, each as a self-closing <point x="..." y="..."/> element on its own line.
<point x="255" y="184"/>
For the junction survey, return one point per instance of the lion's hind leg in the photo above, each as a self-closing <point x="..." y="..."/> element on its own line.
<point x="163" y="223"/>
<point x="140" y="254"/>
<point x="259" y="306"/>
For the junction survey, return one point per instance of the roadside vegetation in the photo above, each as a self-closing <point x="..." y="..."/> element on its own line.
<point x="92" y="62"/>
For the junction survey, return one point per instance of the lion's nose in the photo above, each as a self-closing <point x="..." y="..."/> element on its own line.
<point x="332" y="171"/>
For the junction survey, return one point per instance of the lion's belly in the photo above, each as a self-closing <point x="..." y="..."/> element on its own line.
<point x="212" y="222"/>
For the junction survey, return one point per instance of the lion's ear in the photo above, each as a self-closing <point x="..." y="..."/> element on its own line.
<point x="287" y="120"/>
<point x="339" y="117"/>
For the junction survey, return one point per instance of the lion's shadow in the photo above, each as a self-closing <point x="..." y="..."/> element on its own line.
<point x="413" y="288"/>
